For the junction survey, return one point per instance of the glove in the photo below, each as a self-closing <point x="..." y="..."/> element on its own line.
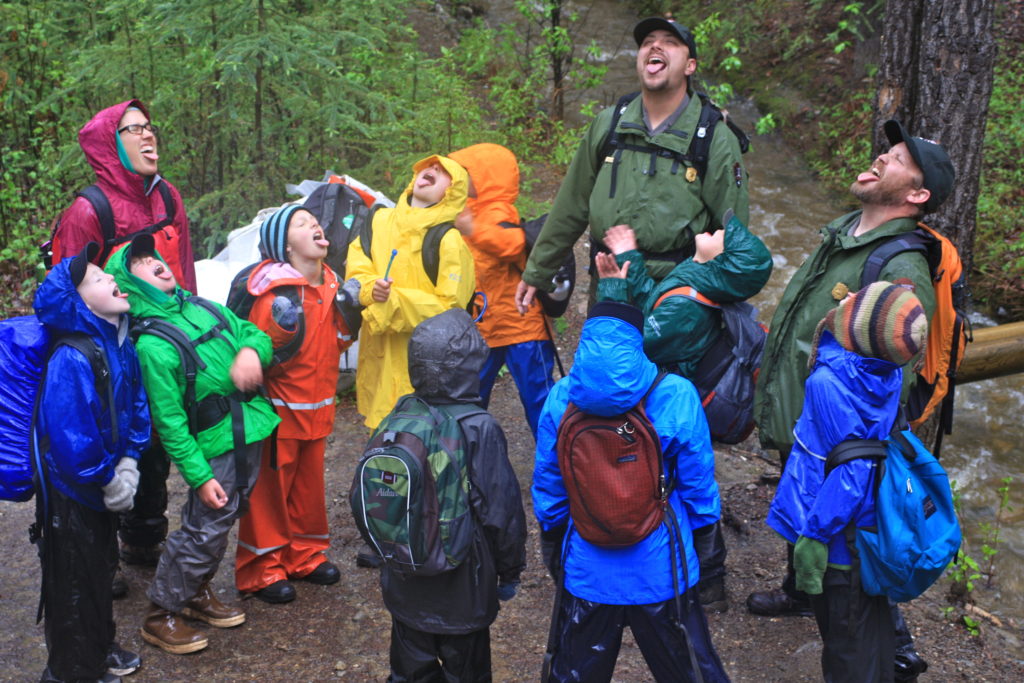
<point x="284" y="313"/>
<point x="507" y="591"/>
<point x="551" y="548"/>
<point x="119" y="492"/>
<point x="810" y="557"/>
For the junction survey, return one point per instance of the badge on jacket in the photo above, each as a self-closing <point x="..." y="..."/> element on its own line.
<point x="691" y="174"/>
<point x="840" y="291"/>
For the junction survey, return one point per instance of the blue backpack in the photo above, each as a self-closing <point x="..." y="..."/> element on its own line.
<point x="25" y="349"/>
<point x="917" y="533"/>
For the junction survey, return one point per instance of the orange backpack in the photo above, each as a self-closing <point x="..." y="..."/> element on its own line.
<point x="948" y="329"/>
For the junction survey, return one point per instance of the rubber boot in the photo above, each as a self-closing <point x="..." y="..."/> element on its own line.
<point x="206" y="607"/>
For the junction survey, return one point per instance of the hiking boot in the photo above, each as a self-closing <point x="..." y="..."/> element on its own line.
<point x="368" y="558"/>
<point x="276" y="593"/>
<point x="170" y="633"/>
<point x="909" y="666"/>
<point x="206" y="607"/>
<point x="121" y="662"/>
<point x="119" y="586"/>
<point x="324" y="575"/>
<point x="713" y="597"/>
<point x="778" y="603"/>
<point x="48" y="677"/>
<point x="144" y="555"/>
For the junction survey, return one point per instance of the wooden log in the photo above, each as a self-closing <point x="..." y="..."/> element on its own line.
<point x="995" y="352"/>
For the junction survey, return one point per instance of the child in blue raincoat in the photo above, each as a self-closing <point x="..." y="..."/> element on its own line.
<point x="853" y="392"/>
<point x="90" y="470"/>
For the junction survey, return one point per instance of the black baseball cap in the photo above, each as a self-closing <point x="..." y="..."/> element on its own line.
<point x="141" y="245"/>
<point x="641" y="30"/>
<point x="616" y="309"/>
<point x="931" y="158"/>
<point x="81" y="261"/>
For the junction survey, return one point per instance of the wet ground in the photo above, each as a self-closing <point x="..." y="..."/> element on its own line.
<point x="341" y="632"/>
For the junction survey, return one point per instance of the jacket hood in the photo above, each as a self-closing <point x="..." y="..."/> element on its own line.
<point x="98" y="139"/>
<point x="445" y="211"/>
<point x="446" y="353"/>
<point x="270" y="274"/>
<point x="610" y="373"/>
<point x="59" y="306"/>
<point x="494" y="171"/>
<point x="145" y="300"/>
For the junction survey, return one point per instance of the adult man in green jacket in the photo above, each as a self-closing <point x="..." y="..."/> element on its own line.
<point x="910" y="180"/>
<point x="213" y="434"/>
<point x="645" y="185"/>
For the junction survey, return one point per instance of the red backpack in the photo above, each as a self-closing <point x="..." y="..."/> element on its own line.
<point x="613" y="470"/>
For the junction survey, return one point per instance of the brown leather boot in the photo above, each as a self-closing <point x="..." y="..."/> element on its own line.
<point x="206" y="607"/>
<point x="169" y="632"/>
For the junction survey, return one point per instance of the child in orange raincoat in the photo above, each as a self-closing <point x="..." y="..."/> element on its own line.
<point x="285" y="534"/>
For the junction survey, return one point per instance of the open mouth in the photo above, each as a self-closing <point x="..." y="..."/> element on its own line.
<point x="428" y="178"/>
<point x="149" y="152"/>
<point x="655" y="64"/>
<point x="871" y="175"/>
<point x="320" y="240"/>
<point x="118" y="294"/>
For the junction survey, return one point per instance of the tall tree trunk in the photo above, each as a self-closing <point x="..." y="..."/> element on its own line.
<point x="261" y="21"/>
<point x="936" y="77"/>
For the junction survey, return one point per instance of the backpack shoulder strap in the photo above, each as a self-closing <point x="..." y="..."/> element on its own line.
<point x="101" y="205"/>
<point x="611" y="137"/>
<point x="92" y="351"/>
<point x="689" y="293"/>
<point x="431" y="251"/>
<point x="366" y="234"/>
<point x="700" y="143"/>
<point x="916" y="240"/>
<point x="853" y="449"/>
<point x="170" y="206"/>
<point x="212" y="309"/>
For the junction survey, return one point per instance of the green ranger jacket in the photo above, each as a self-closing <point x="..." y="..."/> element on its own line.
<point x="829" y="273"/>
<point x="164" y="377"/>
<point x="679" y="332"/>
<point x="665" y="205"/>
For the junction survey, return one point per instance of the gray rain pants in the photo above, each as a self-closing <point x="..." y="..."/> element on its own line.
<point x="193" y="553"/>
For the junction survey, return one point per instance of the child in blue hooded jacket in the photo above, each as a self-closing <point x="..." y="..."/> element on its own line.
<point x="89" y="452"/>
<point x="853" y="392"/>
<point x="606" y="589"/>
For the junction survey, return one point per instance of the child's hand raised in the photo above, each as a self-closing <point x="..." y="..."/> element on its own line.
<point x="607" y="266"/>
<point x="381" y="290"/>
<point x="212" y="495"/>
<point x="619" y="239"/>
<point x="247" y="370"/>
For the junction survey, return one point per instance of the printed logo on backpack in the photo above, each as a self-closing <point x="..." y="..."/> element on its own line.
<point x="916" y="534"/>
<point x="614" y="474"/>
<point x="410" y="492"/>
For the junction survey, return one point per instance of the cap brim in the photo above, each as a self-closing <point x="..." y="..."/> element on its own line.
<point x="142" y="244"/>
<point x="896" y="133"/>
<point x="82" y="260"/>
<point x="645" y="26"/>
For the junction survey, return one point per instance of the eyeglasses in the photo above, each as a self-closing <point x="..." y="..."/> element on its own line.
<point x="137" y="128"/>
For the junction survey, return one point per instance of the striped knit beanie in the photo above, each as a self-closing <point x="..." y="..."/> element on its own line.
<point x="274" y="233"/>
<point x="883" y="320"/>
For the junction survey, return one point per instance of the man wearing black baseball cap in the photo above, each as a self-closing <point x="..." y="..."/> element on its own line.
<point x="911" y="179"/>
<point x="666" y="165"/>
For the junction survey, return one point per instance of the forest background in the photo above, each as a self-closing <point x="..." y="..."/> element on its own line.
<point x="250" y="95"/>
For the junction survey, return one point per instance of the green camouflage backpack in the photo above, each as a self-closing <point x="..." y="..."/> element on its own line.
<point x="410" y="493"/>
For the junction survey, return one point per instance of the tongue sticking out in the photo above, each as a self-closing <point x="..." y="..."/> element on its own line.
<point x="655" y="67"/>
<point x="867" y="177"/>
<point x="152" y="156"/>
<point x="322" y="243"/>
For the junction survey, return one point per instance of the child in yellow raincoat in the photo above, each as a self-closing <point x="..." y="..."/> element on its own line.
<point x="396" y="288"/>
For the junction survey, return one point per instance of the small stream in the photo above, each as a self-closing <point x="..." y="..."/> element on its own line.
<point x="787" y="208"/>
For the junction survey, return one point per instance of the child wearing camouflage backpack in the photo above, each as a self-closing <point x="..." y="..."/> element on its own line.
<point x="440" y="614"/>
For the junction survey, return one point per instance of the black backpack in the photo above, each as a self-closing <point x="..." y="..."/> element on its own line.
<point x="105" y="215"/>
<point x="726" y="375"/>
<point x="700" y="143"/>
<point x="240" y="301"/>
<point x="430" y="252"/>
<point x="343" y="215"/>
<point x="553" y="303"/>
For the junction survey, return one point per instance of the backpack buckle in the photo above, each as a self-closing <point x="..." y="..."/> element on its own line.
<point x="702" y="131"/>
<point x="626" y="431"/>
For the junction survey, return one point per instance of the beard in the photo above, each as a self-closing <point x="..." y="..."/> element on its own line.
<point x="878" y="194"/>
